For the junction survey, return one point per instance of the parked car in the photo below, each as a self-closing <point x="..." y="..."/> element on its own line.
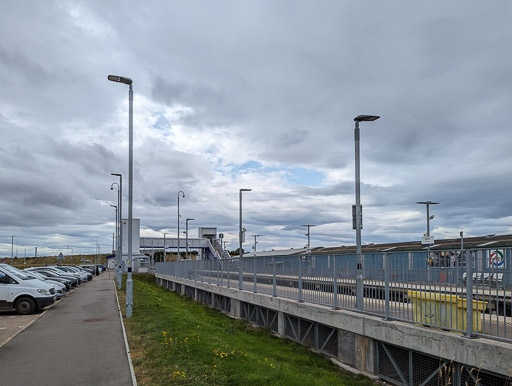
<point x="84" y="276"/>
<point x="66" y="282"/>
<point x="75" y="281"/>
<point x="23" y="293"/>
<point x="95" y="270"/>
<point x="60" y="288"/>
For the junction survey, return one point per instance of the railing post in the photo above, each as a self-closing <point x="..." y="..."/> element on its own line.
<point x="221" y="272"/>
<point x="255" y="276"/>
<point x="469" y="296"/>
<point x="209" y="271"/>
<point x="300" y="280"/>
<point x="240" y="275"/>
<point x="228" y="262"/>
<point x="274" y="280"/>
<point x="334" y="283"/>
<point x="385" y="266"/>
<point x="217" y="264"/>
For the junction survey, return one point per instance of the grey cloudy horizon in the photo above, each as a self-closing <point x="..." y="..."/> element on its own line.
<point x="261" y="95"/>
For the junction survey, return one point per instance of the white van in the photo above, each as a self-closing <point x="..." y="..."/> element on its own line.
<point x="22" y="292"/>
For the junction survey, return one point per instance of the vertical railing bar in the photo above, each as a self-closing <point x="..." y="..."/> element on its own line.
<point x="469" y="296"/>
<point x="334" y="283"/>
<point x="299" y="284"/>
<point x="274" y="278"/>
<point x="255" y="275"/>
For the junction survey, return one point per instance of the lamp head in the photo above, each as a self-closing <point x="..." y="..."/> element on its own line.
<point x="120" y="79"/>
<point x="367" y="118"/>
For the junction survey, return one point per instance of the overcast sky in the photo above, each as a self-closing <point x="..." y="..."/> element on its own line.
<point x="260" y="95"/>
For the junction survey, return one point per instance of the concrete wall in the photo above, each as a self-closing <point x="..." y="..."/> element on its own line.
<point x="359" y="333"/>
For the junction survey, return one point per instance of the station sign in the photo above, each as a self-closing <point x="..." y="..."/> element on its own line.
<point x="427" y="240"/>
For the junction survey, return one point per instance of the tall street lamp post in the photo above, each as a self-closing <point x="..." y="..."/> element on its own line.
<point x="255" y="242"/>
<point x="186" y="235"/>
<point x="358" y="212"/>
<point x="308" y="234"/>
<point x="183" y="196"/>
<point x="164" y="257"/>
<point x="241" y="238"/>
<point x="12" y="248"/>
<point x="129" y="281"/>
<point x="119" y="253"/>
<point x="116" y="235"/>
<point x="429" y="217"/>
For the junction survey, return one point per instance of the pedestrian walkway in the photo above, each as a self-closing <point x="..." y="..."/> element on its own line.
<point x="79" y="341"/>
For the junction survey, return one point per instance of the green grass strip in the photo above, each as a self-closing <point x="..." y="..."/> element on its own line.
<point x="174" y="340"/>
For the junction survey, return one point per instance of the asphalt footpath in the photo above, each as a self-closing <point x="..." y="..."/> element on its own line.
<point x="79" y="341"/>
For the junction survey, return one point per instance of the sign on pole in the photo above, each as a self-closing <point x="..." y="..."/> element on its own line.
<point x="427" y="240"/>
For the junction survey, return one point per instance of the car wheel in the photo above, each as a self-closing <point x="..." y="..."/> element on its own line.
<point x="25" y="306"/>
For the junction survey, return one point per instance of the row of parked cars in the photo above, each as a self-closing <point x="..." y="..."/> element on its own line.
<point x="33" y="288"/>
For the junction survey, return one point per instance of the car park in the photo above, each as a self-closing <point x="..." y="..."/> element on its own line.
<point x="23" y="293"/>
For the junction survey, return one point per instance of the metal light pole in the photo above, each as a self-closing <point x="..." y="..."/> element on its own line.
<point x="358" y="212"/>
<point x="255" y="242"/>
<point x="129" y="281"/>
<point x="241" y="240"/>
<point x="119" y="254"/>
<point x="308" y="234"/>
<point x="12" y="248"/>
<point x="164" y="258"/>
<point x="183" y="196"/>
<point x="186" y="235"/>
<point x="115" y="209"/>
<point x="429" y="217"/>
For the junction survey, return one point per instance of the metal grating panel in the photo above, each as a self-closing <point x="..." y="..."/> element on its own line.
<point x="393" y="364"/>
<point x="328" y="340"/>
<point x="259" y="315"/>
<point x="222" y="302"/>
<point x="397" y="365"/>
<point x="312" y="334"/>
<point x="204" y="297"/>
<point x="291" y="328"/>
<point x="189" y="292"/>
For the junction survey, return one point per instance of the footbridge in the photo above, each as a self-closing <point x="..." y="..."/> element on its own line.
<point x="210" y="249"/>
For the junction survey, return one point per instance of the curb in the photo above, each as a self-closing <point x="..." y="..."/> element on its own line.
<point x="132" y="372"/>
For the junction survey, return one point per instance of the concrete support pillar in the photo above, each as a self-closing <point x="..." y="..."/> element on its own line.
<point x="346" y="348"/>
<point x="365" y="354"/>
<point x="182" y="290"/>
<point x="280" y="323"/>
<point x="235" y="308"/>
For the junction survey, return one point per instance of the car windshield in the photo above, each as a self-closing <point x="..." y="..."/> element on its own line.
<point x="36" y="275"/>
<point x="20" y="274"/>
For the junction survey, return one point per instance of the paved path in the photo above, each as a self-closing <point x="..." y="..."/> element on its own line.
<point x="77" y="342"/>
